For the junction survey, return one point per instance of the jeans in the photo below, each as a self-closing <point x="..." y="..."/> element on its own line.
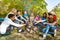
<point x="40" y="25"/>
<point x="47" y="29"/>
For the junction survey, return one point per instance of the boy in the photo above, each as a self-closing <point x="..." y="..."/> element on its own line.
<point x="7" y="22"/>
<point x="19" y="16"/>
<point x="14" y="11"/>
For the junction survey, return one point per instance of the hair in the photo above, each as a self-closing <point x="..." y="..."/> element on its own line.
<point x="49" y="13"/>
<point x="13" y="9"/>
<point x="45" y="14"/>
<point x="10" y="15"/>
<point x="18" y="10"/>
<point x="25" y="10"/>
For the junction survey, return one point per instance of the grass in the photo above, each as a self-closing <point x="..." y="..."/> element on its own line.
<point x="28" y="36"/>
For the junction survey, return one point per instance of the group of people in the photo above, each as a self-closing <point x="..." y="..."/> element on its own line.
<point x="47" y="23"/>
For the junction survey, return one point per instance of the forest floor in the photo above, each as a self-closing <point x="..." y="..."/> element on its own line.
<point x="28" y="36"/>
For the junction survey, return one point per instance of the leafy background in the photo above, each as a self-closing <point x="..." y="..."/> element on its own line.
<point x="35" y="6"/>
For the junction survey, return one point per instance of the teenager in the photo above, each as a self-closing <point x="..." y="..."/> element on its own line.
<point x="26" y="16"/>
<point x="31" y="17"/>
<point x="7" y="22"/>
<point x="20" y="17"/>
<point x="38" y="22"/>
<point x="31" y="27"/>
<point x="14" y="11"/>
<point x="51" y="25"/>
<point x="44" y="17"/>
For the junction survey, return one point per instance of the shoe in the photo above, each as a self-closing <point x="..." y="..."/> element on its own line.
<point x="20" y="31"/>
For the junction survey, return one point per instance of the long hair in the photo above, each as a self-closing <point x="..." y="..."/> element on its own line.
<point x="45" y="15"/>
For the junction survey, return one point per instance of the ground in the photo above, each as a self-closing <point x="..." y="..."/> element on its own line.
<point x="28" y="36"/>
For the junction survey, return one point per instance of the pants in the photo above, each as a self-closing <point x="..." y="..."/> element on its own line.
<point x="16" y="21"/>
<point x="47" y="29"/>
<point x="5" y="30"/>
<point x="40" y="25"/>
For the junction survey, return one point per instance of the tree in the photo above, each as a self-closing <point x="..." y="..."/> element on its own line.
<point x="57" y="11"/>
<point x="36" y="6"/>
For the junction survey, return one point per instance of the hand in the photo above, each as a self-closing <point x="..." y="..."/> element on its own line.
<point x="45" y="23"/>
<point x="27" y="20"/>
<point x="24" y="24"/>
<point x="53" y="24"/>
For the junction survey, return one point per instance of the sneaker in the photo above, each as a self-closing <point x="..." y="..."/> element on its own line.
<point x="19" y="30"/>
<point x="44" y="36"/>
